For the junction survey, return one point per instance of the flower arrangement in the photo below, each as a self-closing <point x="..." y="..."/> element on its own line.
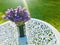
<point x="19" y="16"/>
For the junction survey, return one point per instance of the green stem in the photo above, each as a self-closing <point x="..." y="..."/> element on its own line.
<point x="21" y="31"/>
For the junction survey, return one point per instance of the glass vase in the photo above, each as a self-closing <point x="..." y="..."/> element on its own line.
<point x="21" y="30"/>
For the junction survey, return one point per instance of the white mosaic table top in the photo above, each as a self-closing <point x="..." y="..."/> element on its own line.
<point x="38" y="33"/>
<point x="8" y="34"/>
<point x="41" y="33"/>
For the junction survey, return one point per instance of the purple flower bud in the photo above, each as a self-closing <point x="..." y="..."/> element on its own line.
<point x="19" y="9"/>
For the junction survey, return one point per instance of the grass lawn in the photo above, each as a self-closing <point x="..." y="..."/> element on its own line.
<point x="46" y="10"/>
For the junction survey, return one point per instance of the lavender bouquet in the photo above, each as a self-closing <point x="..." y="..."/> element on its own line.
<point x="19" y="16"/>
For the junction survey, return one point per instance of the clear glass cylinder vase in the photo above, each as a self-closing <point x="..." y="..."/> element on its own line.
<point x="21" y="30"/>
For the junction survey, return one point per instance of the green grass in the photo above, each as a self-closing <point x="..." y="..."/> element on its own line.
<point x="46" y="10"/>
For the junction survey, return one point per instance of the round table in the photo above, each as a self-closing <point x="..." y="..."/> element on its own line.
<point x="37" y="32"/>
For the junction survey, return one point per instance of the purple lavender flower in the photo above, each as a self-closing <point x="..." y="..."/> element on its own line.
<point x="17" y="15"/>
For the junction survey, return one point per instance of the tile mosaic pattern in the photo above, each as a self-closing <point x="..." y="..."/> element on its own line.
<point x="37" y="32"/>
<point x="8" y="34"/>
